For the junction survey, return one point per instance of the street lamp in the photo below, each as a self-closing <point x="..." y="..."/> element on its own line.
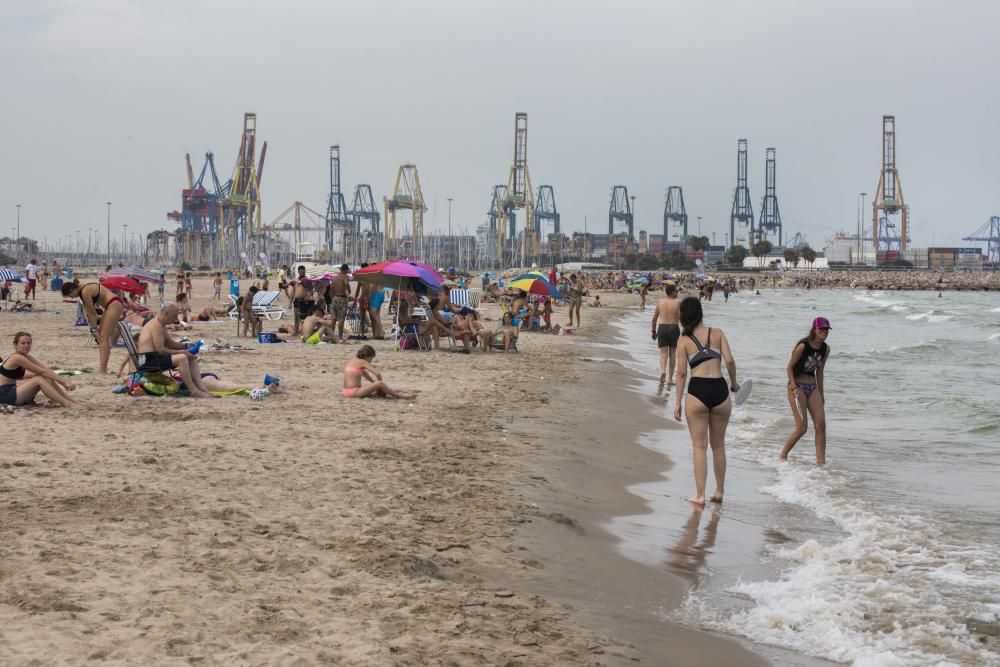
<point x="699" y="225"/>
<point x="18" y="232"/>
<point x="861" y="213"/>
<point x="109" y="232"/>
<point x="124" y="237"/>
<point x="450" y="246"/>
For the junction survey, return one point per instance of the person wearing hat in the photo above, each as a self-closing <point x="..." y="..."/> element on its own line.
<point x="805" y="388"/>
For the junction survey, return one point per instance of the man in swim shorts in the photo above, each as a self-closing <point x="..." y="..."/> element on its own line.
<point x="666" y="331"/>
<point x="341" y="290"/>
<point x="159" y="352"/>
<point x="302" y="300"/>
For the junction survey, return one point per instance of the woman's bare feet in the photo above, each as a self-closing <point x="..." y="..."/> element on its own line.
<point x="697" y="500"/>
<point x="716" y="497"/>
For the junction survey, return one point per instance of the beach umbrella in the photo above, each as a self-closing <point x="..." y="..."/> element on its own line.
<point x="533" y="284"/>
<point x="123" y="284"/>
<point x="11" y="275"/>
<point x="401" y="274"/>
<point x="700" y="276"/>
<point x="135" y="273"/>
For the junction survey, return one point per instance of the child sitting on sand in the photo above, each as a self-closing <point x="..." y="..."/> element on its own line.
<point x="361" y="367"/>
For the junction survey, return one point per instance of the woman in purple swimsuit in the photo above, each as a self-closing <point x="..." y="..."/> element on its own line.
<point x="805" y="388"/>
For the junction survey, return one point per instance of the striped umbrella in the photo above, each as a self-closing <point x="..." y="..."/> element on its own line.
<point x="535" y="285"/>
<point x="11" y="275"/>
<point x="135" y="273"/>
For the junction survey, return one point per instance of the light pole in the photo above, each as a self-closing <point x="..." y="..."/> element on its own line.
<point x="109" y="232"/>
<point x="450" y="242"/>
<point x="861" y="213"/>
<point x="699" y="225"/>
<point x="18" y="233"/>
<point x="124" y="237"/>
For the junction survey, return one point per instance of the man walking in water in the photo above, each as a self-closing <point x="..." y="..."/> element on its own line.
<point x="666" y="332"/>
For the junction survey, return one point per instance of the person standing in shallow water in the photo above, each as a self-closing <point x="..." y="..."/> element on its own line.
<point x="666" y="332"/>
<point x="707" y="405"/>
<point x="805" y="388"/>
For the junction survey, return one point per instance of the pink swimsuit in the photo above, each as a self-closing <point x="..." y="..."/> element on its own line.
<point x="350" y="391"/>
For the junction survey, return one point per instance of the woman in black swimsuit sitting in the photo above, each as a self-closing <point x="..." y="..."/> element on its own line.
<point x="34" y="376"/>
<point x="707" y="405"/>
<point x="805" y="388"/>
<point x="105" y="332"/>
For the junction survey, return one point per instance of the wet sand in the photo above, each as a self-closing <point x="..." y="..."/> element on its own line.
<point x="460" y="528"/>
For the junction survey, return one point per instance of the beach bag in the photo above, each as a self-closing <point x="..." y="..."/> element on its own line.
<point x="267" y="337"/>
<point x="159" y="385"/>
<point x="409" y="343"/>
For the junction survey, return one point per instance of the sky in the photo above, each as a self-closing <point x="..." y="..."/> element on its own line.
<point x="103" y="98"/>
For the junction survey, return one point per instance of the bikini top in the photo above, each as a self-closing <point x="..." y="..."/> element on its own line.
<point x="704" y="353"/>
<point x="810" y="360"/>
<point x="15" y="374"/>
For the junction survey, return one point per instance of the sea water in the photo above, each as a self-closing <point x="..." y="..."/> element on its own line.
<point x="888" y="555"/>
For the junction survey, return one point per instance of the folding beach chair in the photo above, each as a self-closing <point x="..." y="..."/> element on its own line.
<point x="265" y="304"/>
<point x="353" y="320"/>
<point x="126" y="333"/>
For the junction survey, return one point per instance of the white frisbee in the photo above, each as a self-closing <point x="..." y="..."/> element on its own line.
<point x="744" y="393"/>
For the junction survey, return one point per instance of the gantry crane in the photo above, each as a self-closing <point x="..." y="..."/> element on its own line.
<point x="406" y="195"/>
<point x="674" y="213"/>
<point x="518" y="195"/>
<point x="742" y="211"/>
<point x="770" y="217"/>
<point x="339" y="222"/>
<point x="888" y="198"/>
<point x="990" y="233"/>
<point x="545" y="210"/>
<point x="366" y="214"/>
<point x="195" y="242"/>
<point x="241" y="226"/>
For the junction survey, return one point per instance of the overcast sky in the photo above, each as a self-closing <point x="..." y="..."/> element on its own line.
<point x="102" y="99"/>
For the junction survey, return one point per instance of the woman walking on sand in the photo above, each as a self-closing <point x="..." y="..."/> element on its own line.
<point x="805" y="388"/>
<point x="707" y="404"/>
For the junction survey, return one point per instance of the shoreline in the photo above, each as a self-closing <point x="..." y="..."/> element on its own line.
<point x="588" y="482"/>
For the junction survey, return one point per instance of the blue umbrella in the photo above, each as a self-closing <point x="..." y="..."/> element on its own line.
<point x="11" y="275"/>
<point x="700" y="276"/>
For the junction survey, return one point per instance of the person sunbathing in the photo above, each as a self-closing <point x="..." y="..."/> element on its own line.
<point x="159" y="352"/>
<point x="210" y="313"/>
<point x="360" y="368"/>
<point x="433" y="326"/>
<point x="318" y="327"/>
<point x="22" y="377"/>
<point x="501" y="338"/>
<point x="447" y="323"/>
<point x="24" y="307"/>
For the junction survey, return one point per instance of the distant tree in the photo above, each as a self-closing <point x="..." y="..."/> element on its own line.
<point x="808" y="254"/>
<point x="760" y="250"/>
<point x="677" y="260"/>
<point x="736" y="254"/>
<point x="697" y="243"/>
<point x="791" y="257"/>
<point x="648" y="262"/>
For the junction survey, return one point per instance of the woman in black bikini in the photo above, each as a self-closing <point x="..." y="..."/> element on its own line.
<point x="805" y="388"/>
<point x="707" y="404"/>
<point x="105" y="333"/>
<point x="34" y="376"/>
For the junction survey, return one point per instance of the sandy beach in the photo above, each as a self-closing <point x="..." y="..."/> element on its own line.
<point x="307" y="529"/>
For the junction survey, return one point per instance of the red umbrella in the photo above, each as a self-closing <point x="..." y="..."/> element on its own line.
<point x="123" y="284"/>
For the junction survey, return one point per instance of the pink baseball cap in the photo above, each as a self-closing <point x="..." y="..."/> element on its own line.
<point x="821" y="323"/>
